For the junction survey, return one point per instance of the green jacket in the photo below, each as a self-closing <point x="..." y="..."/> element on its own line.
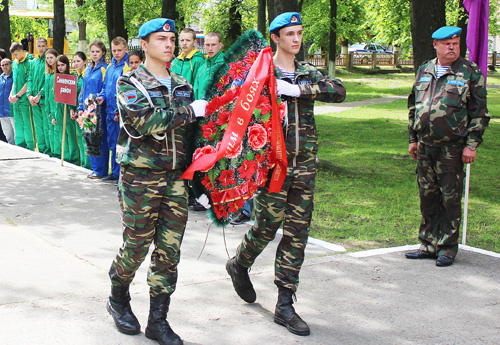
<point x="36" y="79"/>
<point x="301" y="137"/>
<point x="154" y="125"/>
<point x="449" y="110"/>
<point x="188" y="66"/>
<point x="202" y="80"/>
<point x="48" y="93"/>
<point x="21" y="71"/>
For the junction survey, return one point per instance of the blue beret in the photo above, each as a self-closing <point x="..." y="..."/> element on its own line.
<point x="446" y="32"/>
<point x="156" y="25"/>
<point x="284" y="20"/>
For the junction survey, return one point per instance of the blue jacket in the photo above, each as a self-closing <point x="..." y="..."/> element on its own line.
<point x="93" y="79"/>
<point x="108" y="92"/>
<point x="5" y="87"/>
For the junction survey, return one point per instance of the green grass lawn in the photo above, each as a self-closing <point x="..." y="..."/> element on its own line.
<point x="367" y="194"/>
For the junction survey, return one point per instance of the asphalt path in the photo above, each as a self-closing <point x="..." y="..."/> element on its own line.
<point x="60" y="231"/>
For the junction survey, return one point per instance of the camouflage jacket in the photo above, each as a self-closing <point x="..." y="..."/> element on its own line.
<point x="448" y="110"/>
<point x="301" y="138"/>
<point x="154" y="125"/>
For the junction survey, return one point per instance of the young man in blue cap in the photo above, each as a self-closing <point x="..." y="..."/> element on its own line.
<point x="299" y="84"/>
<point x="448" y="116"/>
<point x="156" y="106"/>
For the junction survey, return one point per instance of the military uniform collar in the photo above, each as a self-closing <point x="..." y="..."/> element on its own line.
<point x="150" y="81"/>
<point x="453" y="69"/>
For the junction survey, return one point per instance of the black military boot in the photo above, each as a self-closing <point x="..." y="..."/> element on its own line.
<point x="118" y="306"/>
<point x="241" y="280"/>
<point x="158" y="327"/>
<point x="285" y="314"/>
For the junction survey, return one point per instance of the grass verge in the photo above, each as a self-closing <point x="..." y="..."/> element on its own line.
<point x="366" y="191"/>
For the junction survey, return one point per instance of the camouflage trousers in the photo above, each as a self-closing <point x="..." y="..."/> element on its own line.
<point x="292" y="206"/>
<point x="440" y="173"/>
<point x="154" y="209"/>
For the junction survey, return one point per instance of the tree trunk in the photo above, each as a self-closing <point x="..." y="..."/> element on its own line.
<point x="59" y="26"/>
<point x="82" y="29"/>
<point x="234" y="22"/>
<point x="261" y="17"/>
<point x="333" y="39"/>
<point x="115" y="20"/>
<point x="169" y="10"/>
<point x="426" y="17"/>
<point x="462" y="23"/>
<point x="5" y="38"/>
<point x="277" y="7"/>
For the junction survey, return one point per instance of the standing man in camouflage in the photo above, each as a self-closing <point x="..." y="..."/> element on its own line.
<point x="299" y="84"/>
<point x="36" y="82"/>
<point x="448" y="116"/>
<point x="155" y="107"/>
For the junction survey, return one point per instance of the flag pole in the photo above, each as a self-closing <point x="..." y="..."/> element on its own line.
<point x="63" y="135"/>
<point x="466" y="203"/>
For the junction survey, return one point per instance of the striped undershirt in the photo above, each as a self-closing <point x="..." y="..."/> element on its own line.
<point x="440" y="70"/>
<point x="289" y="75"/>
<point x="167" y="82"/>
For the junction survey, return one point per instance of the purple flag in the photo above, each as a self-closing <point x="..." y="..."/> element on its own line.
<point x="477" y="32"/>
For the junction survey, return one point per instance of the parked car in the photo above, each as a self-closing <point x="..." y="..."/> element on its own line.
<point x="368" y="48"/>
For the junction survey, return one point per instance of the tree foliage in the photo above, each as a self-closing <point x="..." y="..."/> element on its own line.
<point x="215" y="17"/>
<point x="350" y="22"/>
<point x="389" y="21"/>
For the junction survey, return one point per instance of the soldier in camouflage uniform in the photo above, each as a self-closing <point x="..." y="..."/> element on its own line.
<point x="155" y="107"/>
<point x="299" y="84"/>
<point x="448" y="116"/>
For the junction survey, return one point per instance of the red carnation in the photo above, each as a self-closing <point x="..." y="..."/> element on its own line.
<point x="227" y="177"/>
<point x="247" y="169"/>
<point x="257" y="136"/>
<point x="209" y="130"/>
<point x="237" y="70"/>
<point x="235" y="152"/>
<point x="201" y="151"/>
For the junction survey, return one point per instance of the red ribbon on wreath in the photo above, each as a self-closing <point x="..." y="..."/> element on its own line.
<point x="261" y="71"/>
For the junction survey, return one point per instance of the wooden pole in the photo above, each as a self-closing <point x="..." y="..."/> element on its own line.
<point x="63" y="134"/>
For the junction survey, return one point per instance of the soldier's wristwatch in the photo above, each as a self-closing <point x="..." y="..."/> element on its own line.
<point x="471" y="148"/>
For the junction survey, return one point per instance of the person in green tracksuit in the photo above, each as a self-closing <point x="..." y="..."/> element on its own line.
<point x="36" y="80"/>
<point x="79" y="64"/>
<point x="23" y="120"/>
<point x="71" y="153"/>
<point x="215" y="57"/>
<point x="191" y="59"/>
<point x="50" y="104"/>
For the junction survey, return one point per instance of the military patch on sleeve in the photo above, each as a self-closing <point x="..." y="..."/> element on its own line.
<point x="425" y="79"/>
<point x="130" y="96"/>
<point x="456" y="82"/>
<point x="304" y="82"/>
<point x="155" y="94"/>
<point x="183" y="93"/>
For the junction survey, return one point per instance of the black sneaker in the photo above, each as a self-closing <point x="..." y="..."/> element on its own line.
<point x="241" y="219"/>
